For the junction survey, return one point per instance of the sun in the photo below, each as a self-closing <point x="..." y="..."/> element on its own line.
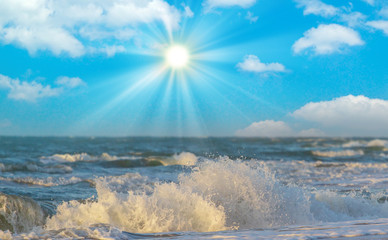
<point x="177" y="56"/>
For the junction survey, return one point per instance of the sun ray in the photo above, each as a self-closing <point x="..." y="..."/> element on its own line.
<point x="213" y="74"/>
<point x="196" y="115"/>
<point x="189" y="70"/>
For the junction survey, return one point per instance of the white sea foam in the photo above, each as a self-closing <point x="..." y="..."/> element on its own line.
<point x="171" y="207"/>
<point x="355" y="229"/>
<point x="98" y="231"/>
<point x="378" y="143"/>
<point x="331" y="207"/>
<point x="339" y="175"/>
<point x="5" y="235"/>
<point x="133" y="182"/>
<point x="354" y="143"/>
<point x="343" y="153"/>
<point x="216" y="195"/>
<point x="184" y="158"/>
<point x="78" y="157"/>
<point x="249" y="193"/>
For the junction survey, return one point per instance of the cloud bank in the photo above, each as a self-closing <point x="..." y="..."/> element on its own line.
<point x="344" y="116"/>
<point x="349" y="115"/>
<point x="72" y="27"/>
<point x="271" y="128"/>
<point x="31" y="91"/>
<point x="267" y="128"/>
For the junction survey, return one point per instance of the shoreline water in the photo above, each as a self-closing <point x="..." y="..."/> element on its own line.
<point x="242" y="188"/>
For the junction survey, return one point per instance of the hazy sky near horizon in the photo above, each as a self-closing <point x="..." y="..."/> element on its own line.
<point x="256" y="68"/>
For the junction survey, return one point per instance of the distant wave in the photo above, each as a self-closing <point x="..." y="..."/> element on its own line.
<point x="32" y="167"/>
<point x="371" y="143"/>
<point x="46" y="182"/>
<point x="79" y="157"/>
<point x="343" y="153"/>
<point x="183" y="158"/>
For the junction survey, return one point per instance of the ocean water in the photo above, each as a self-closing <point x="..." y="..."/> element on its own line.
<point x="193" y="188"/>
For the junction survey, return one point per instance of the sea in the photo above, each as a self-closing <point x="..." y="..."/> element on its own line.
<point x="193" y="188"/>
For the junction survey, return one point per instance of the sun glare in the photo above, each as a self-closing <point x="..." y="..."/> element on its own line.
<point x="177" y="56"/>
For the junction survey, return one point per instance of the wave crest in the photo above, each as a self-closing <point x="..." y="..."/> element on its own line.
<point x="344" y="153"/>
<point x="215" y="196"/>
<point x="77" y="157"/>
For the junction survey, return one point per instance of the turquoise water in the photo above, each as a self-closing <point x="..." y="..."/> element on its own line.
<point x="129" y="188"/>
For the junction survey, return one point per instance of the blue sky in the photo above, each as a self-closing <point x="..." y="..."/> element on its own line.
<point x="256" y="68"/>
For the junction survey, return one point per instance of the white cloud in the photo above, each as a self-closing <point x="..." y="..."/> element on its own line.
<point x="350" y="115"/>
<point x="317" y="7"/>
<point x="344" y="116"/>
<point x="252" y="63"/>
<point x="271" y="128"/>
<point x="62" y="27"/>
<point x="27" y="91"/>
<point x="380" y="25"/>
<point x="251" y="17"/>
<point x="31" y="91"/>
<point x="267" y="128"/>
<point x="56" y="40"/>
<point x="353" y="19"/>
<point x="327" y="39"/>
<point x="188" y="12"/>
<point x="70" y="82"/>
<point x="209" y="4"/>
<point x="122" y="13"/>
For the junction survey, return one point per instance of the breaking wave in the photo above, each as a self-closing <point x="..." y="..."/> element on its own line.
<point x="184" y="158"/>
<point x="214" y="196"/>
